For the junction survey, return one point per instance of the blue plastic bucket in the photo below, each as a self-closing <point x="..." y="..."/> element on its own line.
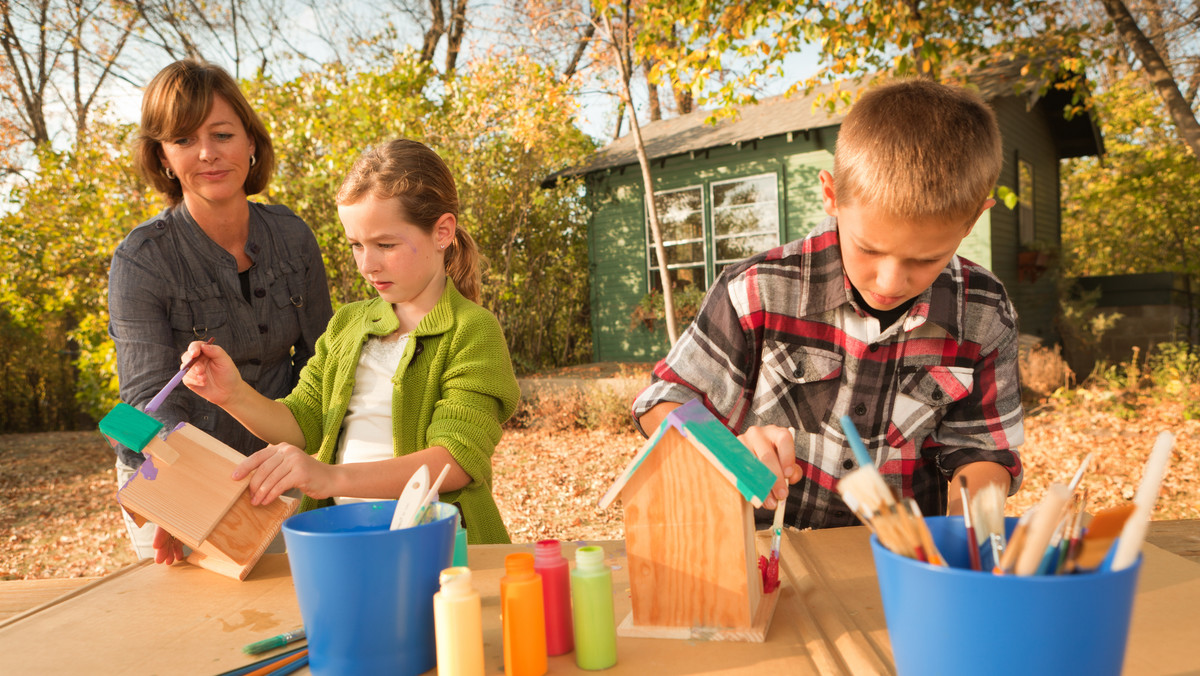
<point x="958" y="621"/>
<point x="366" y="592"/>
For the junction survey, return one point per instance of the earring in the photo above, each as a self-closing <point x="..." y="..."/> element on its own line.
<point x="168" y="173"/>
<point x="252" y="160"/>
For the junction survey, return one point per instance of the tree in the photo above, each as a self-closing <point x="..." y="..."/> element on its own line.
<point x="54" y="53"/>
<point x="1160" y="74"/>
<point x="1138" y="210"/>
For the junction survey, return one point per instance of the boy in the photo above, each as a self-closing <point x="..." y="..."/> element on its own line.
<point x="871" y="315"/>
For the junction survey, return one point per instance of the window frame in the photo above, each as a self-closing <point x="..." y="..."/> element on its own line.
<point x="709" y="237"/>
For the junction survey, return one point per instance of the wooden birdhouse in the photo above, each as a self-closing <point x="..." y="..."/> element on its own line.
<point x="185" y="486"/>
<point x="688" y="497"/>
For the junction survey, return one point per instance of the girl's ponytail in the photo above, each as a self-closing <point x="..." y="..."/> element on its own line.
<point x="463" y="265"/>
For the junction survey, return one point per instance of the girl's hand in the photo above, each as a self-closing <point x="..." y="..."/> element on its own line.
<point x="214" y="375"/>
<point x="167" y="549"/>
<point x="776" y="449"/>
<point x="280" y="467"/>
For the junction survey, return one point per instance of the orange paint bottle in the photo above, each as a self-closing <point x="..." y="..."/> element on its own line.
<point x="523" y="617"/>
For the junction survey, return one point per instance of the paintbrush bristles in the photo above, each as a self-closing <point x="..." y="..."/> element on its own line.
<point x="987" y="511"/>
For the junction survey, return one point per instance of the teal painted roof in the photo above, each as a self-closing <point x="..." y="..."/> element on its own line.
<point x="716" y="443"/>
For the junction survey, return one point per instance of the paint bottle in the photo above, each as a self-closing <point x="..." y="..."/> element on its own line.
<point x="523" y="617"/>
<point x="592" y="602"/>
<point x="548" y="561"/>
<point x="458" y="625"/>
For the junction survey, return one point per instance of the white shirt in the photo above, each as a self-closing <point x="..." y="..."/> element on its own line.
<point x="367" y="427"/>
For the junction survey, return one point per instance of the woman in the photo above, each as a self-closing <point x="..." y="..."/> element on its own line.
<point x="212" y="265"/>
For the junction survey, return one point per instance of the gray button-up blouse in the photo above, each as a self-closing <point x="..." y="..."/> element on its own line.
<point x="170" y="284"/>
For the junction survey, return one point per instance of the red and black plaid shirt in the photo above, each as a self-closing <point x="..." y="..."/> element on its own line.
<point x="780" y="341"/>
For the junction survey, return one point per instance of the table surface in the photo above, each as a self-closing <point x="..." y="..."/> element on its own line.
<point x="182" y="619"/>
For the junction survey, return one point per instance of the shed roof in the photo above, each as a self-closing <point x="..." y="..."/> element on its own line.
<point x="781" y="115"/>
<point x="716" y="443"/>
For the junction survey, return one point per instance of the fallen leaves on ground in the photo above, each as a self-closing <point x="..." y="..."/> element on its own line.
<point x="59" y="516"/>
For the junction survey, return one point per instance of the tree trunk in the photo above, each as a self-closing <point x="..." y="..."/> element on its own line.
<point x="655" y="105"/>
<point x="621" y="47"/>
<point x="1160" y="75"/>
<point x="436" y="30"/>
<point x="580" y="49"/>
<point x="458" y="23"/>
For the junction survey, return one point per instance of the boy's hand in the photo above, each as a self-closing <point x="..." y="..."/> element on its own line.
<point x="776" y="449"/>
<point x="167" y="549"/>
<point x="281" y="467"/>
<point x="214" y="375"/>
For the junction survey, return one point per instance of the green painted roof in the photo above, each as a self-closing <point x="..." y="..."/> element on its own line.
<point x="716" y="443"/>
<point x="129" y="426"/>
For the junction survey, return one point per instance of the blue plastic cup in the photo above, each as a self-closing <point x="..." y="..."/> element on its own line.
<point x="366" y="592"/>
<point x="955" y="620"/>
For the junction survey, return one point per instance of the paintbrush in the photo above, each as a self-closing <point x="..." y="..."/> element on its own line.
<point x="923" y="534"/>
<point x="1099" y="535"/>
<point x="174" y="381"/>
<point x="1079" y="472"/>
<point x="1041" y="529"/>
<point x="865" y="483"/>
<point x="1134" y="532"/>
<point x="273" y="642"/>
<point x="777" y="523"/>
<point x="972" y="544"/>
<point x="987" y="513"/>
<point x="1016" y="543"/>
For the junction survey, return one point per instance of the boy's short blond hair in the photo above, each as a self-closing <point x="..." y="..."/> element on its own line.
<point x="919" y="149"/>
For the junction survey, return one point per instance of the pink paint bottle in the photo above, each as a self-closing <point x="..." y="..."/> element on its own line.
<point x="548" y="561"/>
<point x="523" y="617"/>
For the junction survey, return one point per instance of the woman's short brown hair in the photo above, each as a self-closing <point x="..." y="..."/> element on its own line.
<point x="176" y="103"/>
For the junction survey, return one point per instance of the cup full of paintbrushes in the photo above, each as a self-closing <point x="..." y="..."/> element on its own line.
<point x="950" y="619"/>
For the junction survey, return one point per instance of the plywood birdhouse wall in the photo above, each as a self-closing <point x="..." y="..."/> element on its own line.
<point x="688" y="498"/>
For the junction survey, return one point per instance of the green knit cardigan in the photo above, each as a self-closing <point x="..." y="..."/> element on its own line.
<point x="454" y="388"/>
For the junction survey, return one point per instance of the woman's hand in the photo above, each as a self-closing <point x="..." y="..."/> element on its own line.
<point x="167" y="549"/>
<point x="776" y="449"/>
<point x="281" y="467"/>
<point x="214" y="376"/>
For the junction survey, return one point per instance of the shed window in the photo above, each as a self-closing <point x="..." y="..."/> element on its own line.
<point x="681" y="219"/>
<point x="745" y="218"/>
<point x="744" y="222"/>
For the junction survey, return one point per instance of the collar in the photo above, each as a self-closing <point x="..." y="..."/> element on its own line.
<point x="203" y="245"/>
<point x="380" y="320"/>
<point x="825" y="286"/>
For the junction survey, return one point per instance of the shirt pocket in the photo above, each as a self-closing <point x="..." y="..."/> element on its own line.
<point x="798" y="382"/>
<point x="923" y="395"/>
<point x="198" y="314"/>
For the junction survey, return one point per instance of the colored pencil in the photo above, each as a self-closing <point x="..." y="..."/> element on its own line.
<point x="245" y="670"/>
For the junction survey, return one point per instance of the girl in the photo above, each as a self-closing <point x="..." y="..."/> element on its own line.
<point x="420" y="375"/>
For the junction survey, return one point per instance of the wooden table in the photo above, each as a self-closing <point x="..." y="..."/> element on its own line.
<point x="148" y="619"/>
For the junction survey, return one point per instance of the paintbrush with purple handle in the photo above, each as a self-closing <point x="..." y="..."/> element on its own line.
<point x="175" y="380"/>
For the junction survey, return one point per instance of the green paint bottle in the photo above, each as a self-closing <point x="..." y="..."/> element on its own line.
<point x="592" y="610"/>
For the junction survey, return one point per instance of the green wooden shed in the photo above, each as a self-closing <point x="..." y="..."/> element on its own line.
<point x="727" y="191"/>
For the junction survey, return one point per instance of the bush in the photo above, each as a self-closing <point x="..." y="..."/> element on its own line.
<point x="1043" y="372"/>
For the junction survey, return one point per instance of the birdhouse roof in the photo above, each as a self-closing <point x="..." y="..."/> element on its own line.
<point x="716" y="443"/>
